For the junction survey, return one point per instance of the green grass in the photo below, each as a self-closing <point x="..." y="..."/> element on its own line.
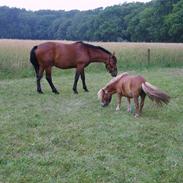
<point x="71" y="139"/>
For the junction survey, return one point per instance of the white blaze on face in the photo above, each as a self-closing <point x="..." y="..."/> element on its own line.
<point x="99" y="94"/>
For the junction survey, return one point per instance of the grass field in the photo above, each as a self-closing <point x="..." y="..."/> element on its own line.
<point x="70" y="138"/>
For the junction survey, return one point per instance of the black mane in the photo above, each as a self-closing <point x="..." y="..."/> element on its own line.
<point x="96" y="47"/>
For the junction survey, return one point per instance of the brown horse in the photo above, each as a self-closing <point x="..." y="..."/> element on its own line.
<point x="66" y="56"/>
<point x="131" y="87"/>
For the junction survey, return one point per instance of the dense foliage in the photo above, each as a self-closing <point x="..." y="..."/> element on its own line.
<point x="158" y="20"/>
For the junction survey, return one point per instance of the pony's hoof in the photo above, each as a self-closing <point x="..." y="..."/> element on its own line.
<point x="129" y="110"/>
<point x="117" y="109"/>
<point x="136" y="115"/>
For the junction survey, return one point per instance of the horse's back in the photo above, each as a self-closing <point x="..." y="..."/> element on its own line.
<point x="45" y="51"/>
<point x="131" y="85"/>
<point x="59" y="54"/>
<point x="135" y="81"/>
<point x="47" y="46"/>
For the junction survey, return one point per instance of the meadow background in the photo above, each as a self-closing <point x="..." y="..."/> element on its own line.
<point x="71" y="138"/>
<point x="15" y="63"/>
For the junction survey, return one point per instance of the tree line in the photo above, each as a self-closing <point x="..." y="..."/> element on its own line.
<point x="155" y="21"/>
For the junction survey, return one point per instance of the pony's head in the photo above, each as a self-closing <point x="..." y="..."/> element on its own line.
<point x="105" y="97"/>
<point x="111" y="65"/>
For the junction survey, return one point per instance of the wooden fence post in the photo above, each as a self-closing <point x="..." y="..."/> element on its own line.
<point x="148" y="56"/>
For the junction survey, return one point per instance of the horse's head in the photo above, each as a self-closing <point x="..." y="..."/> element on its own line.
<point x="111" y="65"/>
<point x="105" y="97"/>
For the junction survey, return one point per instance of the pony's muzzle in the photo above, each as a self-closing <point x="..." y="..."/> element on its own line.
<point x="104" y="104"/>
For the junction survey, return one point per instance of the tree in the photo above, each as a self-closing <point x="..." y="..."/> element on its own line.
<point x="157" y="20"/>
<point x="174" y="23"/>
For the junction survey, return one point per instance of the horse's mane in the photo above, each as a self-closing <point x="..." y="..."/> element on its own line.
<point x="92" y="46"/>
<point x="117" y="78"/>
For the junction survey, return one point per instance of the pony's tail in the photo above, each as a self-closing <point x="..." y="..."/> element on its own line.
<point x="33" y="59"/>
<point x="155" y="94"/>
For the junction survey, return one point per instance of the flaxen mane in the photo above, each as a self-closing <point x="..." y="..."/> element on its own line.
<point x="117" y="78"/>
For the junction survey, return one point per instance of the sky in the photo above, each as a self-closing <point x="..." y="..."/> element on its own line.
<point x="63" y="4"/>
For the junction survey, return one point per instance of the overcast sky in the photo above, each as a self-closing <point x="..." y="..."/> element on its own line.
<point x="63" y="4"/>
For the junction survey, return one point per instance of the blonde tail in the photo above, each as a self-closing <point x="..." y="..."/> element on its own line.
<point x="155" y="94"/>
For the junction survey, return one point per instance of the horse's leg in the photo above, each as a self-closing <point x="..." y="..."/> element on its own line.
<point x="136" y="101"/>
<point x="118" y="101"/>
<point x="39" y="76"/>
<point x="79" y="70"/>
<point x="83" y="80"/>
<point x="129" y="108"/>
<point x="49" y="79"/>
<point x="142" y="102"/>
<point x="76" y="81"/>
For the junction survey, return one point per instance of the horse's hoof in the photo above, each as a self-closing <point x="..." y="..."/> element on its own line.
<point x="86" y="90"/>
<point x="56" y="92"/>
<point x="75" y="92"/>
<point x="40" y="91"/>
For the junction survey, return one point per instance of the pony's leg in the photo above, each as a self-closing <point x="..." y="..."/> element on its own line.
<point x="118" y="102"/>
<point x="76" y="81"/>
<point x="129" y="108"/>
<point x="142" y="102"/>
<point x="49" y="79"/>
<point x="136" y="101"/>
<point x="39" y="76"/>
<point x="83" y="80"/>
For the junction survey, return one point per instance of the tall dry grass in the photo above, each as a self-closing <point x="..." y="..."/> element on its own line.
<point x="136" y="54"/>
<point x="14" y="56"/>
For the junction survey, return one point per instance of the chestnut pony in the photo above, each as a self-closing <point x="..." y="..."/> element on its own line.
<point x="131" y="87"/>
<point x="66" y="56"/>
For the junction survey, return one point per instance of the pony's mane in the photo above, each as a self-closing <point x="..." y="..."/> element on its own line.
<point x="117" y="78"/>
<point x="96" y="47"/>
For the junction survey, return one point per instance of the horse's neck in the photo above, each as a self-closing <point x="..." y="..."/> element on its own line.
<point x="97" y="55"/>
<point x="111" y="88"/>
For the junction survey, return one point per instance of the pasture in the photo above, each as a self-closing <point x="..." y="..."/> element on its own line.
<point x="71" y="138"/>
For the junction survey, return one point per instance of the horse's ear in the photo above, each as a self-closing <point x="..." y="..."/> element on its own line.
<point x="113" y="54"/>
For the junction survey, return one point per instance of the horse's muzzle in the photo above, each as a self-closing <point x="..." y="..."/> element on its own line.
<point x="114" y="73"/>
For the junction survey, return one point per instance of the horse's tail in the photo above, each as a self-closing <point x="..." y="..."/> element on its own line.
<point x="33" y="59"/>
<point x="155" y="94"/>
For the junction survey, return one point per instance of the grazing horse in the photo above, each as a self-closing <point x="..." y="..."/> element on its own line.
<point x="131" y="87"/>
<point x="66" y="56"/>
